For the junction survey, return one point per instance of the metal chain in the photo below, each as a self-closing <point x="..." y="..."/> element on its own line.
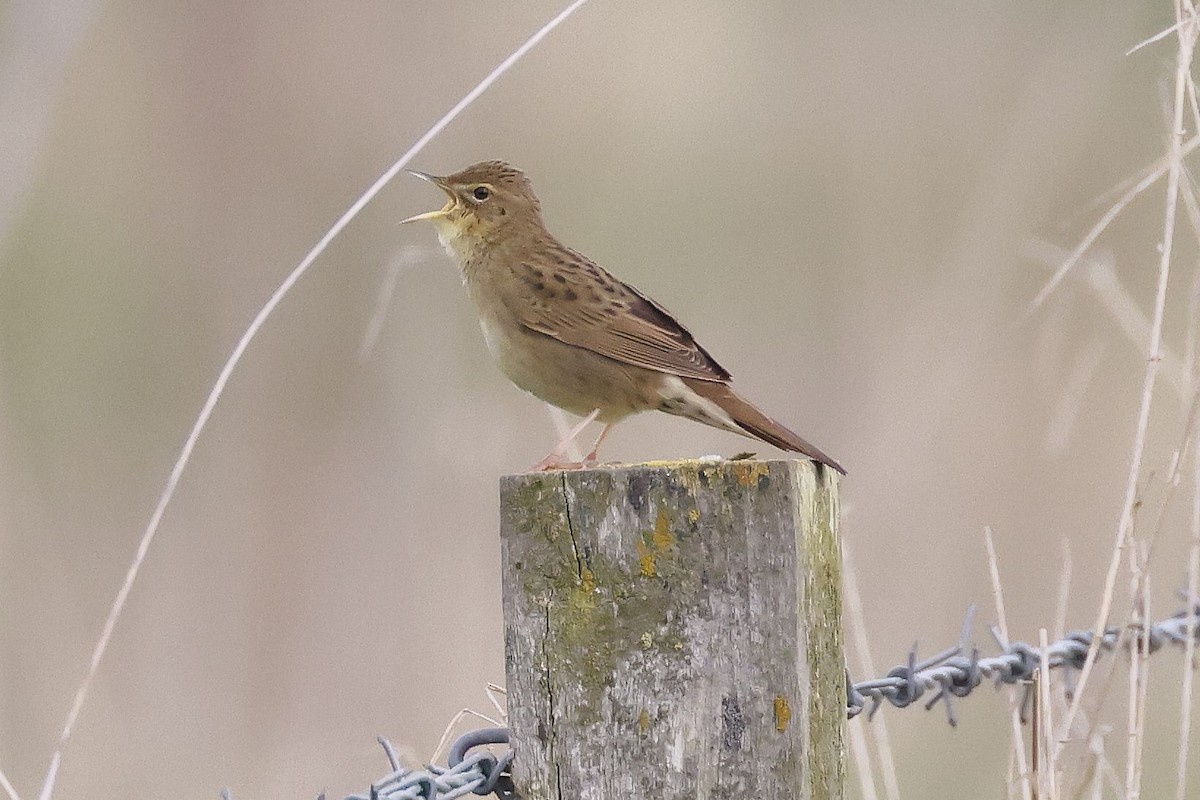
<point x="950" y="673"/>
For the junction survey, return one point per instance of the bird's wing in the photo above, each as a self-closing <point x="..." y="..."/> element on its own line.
<point x="580" y="303"/>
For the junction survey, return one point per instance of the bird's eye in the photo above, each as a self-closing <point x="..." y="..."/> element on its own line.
<point x="481" y="193"/>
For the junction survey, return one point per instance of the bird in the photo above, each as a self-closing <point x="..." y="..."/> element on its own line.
<point x="567" y="331"/>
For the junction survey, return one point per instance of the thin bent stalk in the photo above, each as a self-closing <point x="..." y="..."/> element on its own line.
<point x="1187" y="39"/>
<point x="235" y="357"/>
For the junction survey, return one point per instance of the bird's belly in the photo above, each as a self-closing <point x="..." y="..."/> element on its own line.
<point x="574" y="379"/>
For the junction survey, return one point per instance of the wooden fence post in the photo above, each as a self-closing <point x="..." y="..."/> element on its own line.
<point x="673" y="630"/>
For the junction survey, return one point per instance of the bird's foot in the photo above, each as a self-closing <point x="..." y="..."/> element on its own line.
<point x="556" y="461"/>
<point x="551" y="466"/>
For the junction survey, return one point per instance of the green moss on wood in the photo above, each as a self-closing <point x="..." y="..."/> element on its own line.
<point x="633" y="589"/>
<point x="826" y="658"/>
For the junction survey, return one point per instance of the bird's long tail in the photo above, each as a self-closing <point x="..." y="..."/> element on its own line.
<point x="756" y="423"/>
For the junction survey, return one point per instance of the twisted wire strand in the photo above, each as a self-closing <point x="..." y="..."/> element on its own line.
<point x="468" y="773"/>
<point x="948" y="674"/>
<point x="951" y="673"/>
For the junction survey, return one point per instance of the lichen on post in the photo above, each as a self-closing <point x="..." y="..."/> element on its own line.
<point x="673" y="630"/>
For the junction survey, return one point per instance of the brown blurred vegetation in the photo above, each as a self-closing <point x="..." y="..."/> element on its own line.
<point x="837" y="198"/>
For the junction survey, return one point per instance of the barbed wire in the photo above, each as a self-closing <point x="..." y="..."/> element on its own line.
<point x="467" y="773"/>
<point x="951" y="673"/>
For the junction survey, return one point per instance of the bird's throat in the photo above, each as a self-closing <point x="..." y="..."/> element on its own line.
<point x="461" y="244"/>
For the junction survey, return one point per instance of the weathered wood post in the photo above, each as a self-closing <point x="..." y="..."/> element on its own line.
<point x="673" y="630"/>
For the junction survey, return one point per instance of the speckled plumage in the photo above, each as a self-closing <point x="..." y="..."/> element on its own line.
<point x="564" y="329"/>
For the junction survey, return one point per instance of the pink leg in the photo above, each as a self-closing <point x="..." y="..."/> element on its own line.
<point x="590" y="458"/>
<point x="554" y="459"/>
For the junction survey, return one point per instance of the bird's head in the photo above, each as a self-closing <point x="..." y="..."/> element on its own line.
<point x="486" y="201"/>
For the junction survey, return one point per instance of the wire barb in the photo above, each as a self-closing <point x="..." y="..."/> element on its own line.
<point x="951" y="674"/>
<point x="479" y="773"/>
<point x="948" y="674"/>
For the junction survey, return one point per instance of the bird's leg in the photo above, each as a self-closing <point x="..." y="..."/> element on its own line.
<point x="591" y="457"/>
<point x="555" y="459"/>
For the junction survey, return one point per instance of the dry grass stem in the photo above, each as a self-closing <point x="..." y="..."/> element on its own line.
<point x="1049" y="776"/>
<point x="1011" y="776"/>
<point x="8" y="788"/>
<point x="404" y="260"/>
<point x="1100" y="770"/>
<point x="1014" y="698"/>
<point x="494" y="692"/>
<point x="1064" y="591"/>
<point x="1136" y="709"/>
<point x="1074" y="389"/>
<point x="1190" y="206"/>
<point x="860" y="753"/>
<point x="1189" y="647"/>
<point x="1171" y="484"/>
<point x="1090" y="728"/>
<point x="1193" y="102"/>
<point x="866" y="665"/>
<point x="231" y="363"/>
<point x="452" y="726"/>
<point x="1102" y="278"/>
<point x="1187" y="38"/>
<point x="1150" y="177"/>
<point x="1036" y="749"/>
<point x="1091" y="784"/>
<point x="1158" y="37"/>
<point x="1188" y="367"/>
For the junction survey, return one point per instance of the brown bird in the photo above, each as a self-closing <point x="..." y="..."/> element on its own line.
<point x="565" y="330"/>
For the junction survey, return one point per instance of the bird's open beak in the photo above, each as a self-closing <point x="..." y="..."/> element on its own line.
<point x="445" y="210"/>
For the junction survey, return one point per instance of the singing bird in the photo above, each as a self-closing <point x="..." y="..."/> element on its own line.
<point x="562" y="328"/>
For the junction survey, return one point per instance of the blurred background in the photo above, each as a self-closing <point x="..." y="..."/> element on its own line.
<point x="852" y="206"/>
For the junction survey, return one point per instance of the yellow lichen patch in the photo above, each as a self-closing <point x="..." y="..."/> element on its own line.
<point x="748" y="472"/>
<point x="647" y="640"/>
<point x="663" y="538"/>
<point x="783" y="713"/>
<point x="587" y="581"/>
<point x="655" y="543"/>
<point x="694" y="515"/>
<point x="646" y="560"/>
<point x="644" y="721"/>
